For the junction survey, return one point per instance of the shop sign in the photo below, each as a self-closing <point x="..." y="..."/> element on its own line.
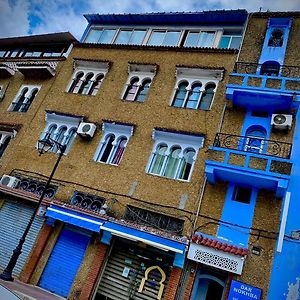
<point x="242" y="291"/>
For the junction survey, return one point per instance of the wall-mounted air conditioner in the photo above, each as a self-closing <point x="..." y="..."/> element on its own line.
<point x="9" y="181"/>
<point x="281" y="121"/>
<point x="86" y="130"/>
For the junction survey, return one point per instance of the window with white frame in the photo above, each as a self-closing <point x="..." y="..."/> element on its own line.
<point x="24" y="98"/>
<point x="174" y="154"/>
<point x="61" y="128"/>
<point x="164" y="38"/>
<point x="230" y="40"/>
<point x="138" y="82"/>
<point x="195" y="88"/>
<point x="130" y="36"/>
<point x="200" y="38"/>
<point x="87" y="77"/>
<point x="5" y="138"/>
<point x="113" y="143"/>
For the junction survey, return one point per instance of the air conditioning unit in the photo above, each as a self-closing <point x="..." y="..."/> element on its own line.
<point x="86" y="130"/>
<point x="281" y="121"/>
<point x="9" y="181"/>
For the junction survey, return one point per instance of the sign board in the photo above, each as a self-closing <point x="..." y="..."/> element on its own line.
<point x="242" y="291"/>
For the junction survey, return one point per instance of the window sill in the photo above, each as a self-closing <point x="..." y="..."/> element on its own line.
<point x="107" y="164"/>
<point x="175" y="179"/>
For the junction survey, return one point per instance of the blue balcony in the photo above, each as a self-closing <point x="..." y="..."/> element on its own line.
<point x="263" y="164"/>
<point x="266" y="87"/>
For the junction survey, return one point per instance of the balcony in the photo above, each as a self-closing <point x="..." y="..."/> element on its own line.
<point x="264" y="87"/>
<point x="254" y="162"/>
<point x="36" y="70"/>
<point x="6" y="71"/>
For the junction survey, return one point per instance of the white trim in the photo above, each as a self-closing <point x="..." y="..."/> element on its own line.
<point x="75" y="216"/>
<point x="283" y="221"/>
<point x="135" y="238"/>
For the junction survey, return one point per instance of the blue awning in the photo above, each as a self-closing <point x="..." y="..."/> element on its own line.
<point x="145" y="237"/>
<point x="75" y="218"/>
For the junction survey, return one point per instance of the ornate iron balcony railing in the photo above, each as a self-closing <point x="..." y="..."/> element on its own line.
<point x="269" y="70"/>
<point x="90" y="202"/>
<point x="253" y="144"/>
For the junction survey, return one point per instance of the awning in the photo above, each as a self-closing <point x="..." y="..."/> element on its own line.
<point x="145" y="237"/>
<point x="75" y="218"/>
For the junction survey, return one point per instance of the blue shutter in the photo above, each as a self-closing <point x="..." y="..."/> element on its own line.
<point x="64" y="262"/>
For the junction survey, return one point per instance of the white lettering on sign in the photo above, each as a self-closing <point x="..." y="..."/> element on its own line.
<point x="246" y="291"/>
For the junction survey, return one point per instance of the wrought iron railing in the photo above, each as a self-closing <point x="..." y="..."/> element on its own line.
<point x="90" y="202"/>
<point x="252" y="68"/>
<point x="253" y="144"/>
<point x="35" y="186"/>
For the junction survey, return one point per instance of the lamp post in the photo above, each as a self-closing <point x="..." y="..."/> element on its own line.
<point x="44" y="145"/>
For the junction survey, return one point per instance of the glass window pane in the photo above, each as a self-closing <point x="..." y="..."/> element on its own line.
<point x="171" y="38"/>
<point x="224" y="43"/>
<point x="123" y="37"/>
<point x="235" y="42"/>
<point x="156" y="38"/>
<point x="93" y="36"/>
<point x="192" y="39"/>
<point x="137" y="37"/>
<point x="206" y="39"/>
<point x="2" y="53"/>
<point x="107" y="36"/>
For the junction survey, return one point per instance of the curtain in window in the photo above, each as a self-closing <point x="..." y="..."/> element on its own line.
<point x="194" y="96"/>
<point x="180" y="94"/>
<point x="4" y="145"/>
<point x="18" y="105"/>
<point x="132" y="90"/>
<point x="107" y="146"/>
<point x="143" y="91"/>
<point x="158" y="159"/>
<point x="86" y="84"/>
<point x="172" y="163"/>
<point x="76" y="83"/>
<point x="119" y="151"/>
<point x="96" y="85"/>
<point x="186" y="166"/>
<point x="207" y="96"/>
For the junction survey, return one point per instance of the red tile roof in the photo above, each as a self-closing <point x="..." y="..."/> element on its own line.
<point x="216" y="244"/>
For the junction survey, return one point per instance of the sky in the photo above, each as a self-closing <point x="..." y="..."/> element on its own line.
<point x="23" y="17"/>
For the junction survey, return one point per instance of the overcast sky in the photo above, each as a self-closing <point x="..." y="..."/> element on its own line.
<point x="23" y="17"/>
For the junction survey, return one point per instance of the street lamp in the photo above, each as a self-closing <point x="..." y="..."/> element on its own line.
<point x="44" y="145"/>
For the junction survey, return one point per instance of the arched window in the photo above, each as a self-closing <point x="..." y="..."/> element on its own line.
<point x="143" y="91"/>
<point x="172" y="162"/>
<point x="76" y="83"/>
<point x="51" y="131"/>
<point x="186" y="164"/>
<point x="270" y="68"/>
<point x="194" y="95"/>
<point x="255" y="139"/>
<point x="106" y="148"/>
<point x="180" y="94"/>
<point x="276" y="38"/>
<point x="120" y="147"/>
<point x="158" y="159"/>
<point x="96" y="85"/>
<point x="59" y="137"/>
<point x="86" y="84"/>
<point x="18" y="105"/>
<point x="4" y="145"/>
<point x="70" y="138"/>
<point x="207" y="96"/>
<point x="132" y="90"/>
<point x="27" y="104"/>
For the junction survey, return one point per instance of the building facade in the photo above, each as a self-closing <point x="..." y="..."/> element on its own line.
<point x="180" y="168"/>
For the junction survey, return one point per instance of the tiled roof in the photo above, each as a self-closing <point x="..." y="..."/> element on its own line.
<point x="218" y="245"/>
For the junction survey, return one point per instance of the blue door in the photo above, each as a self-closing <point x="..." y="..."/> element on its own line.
<point x="64" y="262"/>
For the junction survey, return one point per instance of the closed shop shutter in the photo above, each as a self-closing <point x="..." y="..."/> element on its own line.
<point x="64" y="262"/>
<point x="124" y="272"/>
<point x="13" y="219"/>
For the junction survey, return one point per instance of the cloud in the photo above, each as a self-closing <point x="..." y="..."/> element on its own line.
<point x="14" y="18"/>
<point x="20" y="17"/>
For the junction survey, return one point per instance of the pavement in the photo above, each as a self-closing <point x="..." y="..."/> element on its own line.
<point x="28" y="291"/>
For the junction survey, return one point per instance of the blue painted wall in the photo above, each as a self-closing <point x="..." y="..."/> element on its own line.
<point x="235" y="212"/>
<point x="286" y="265"/>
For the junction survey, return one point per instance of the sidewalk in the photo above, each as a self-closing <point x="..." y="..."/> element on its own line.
<point x="28" y="291"/>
